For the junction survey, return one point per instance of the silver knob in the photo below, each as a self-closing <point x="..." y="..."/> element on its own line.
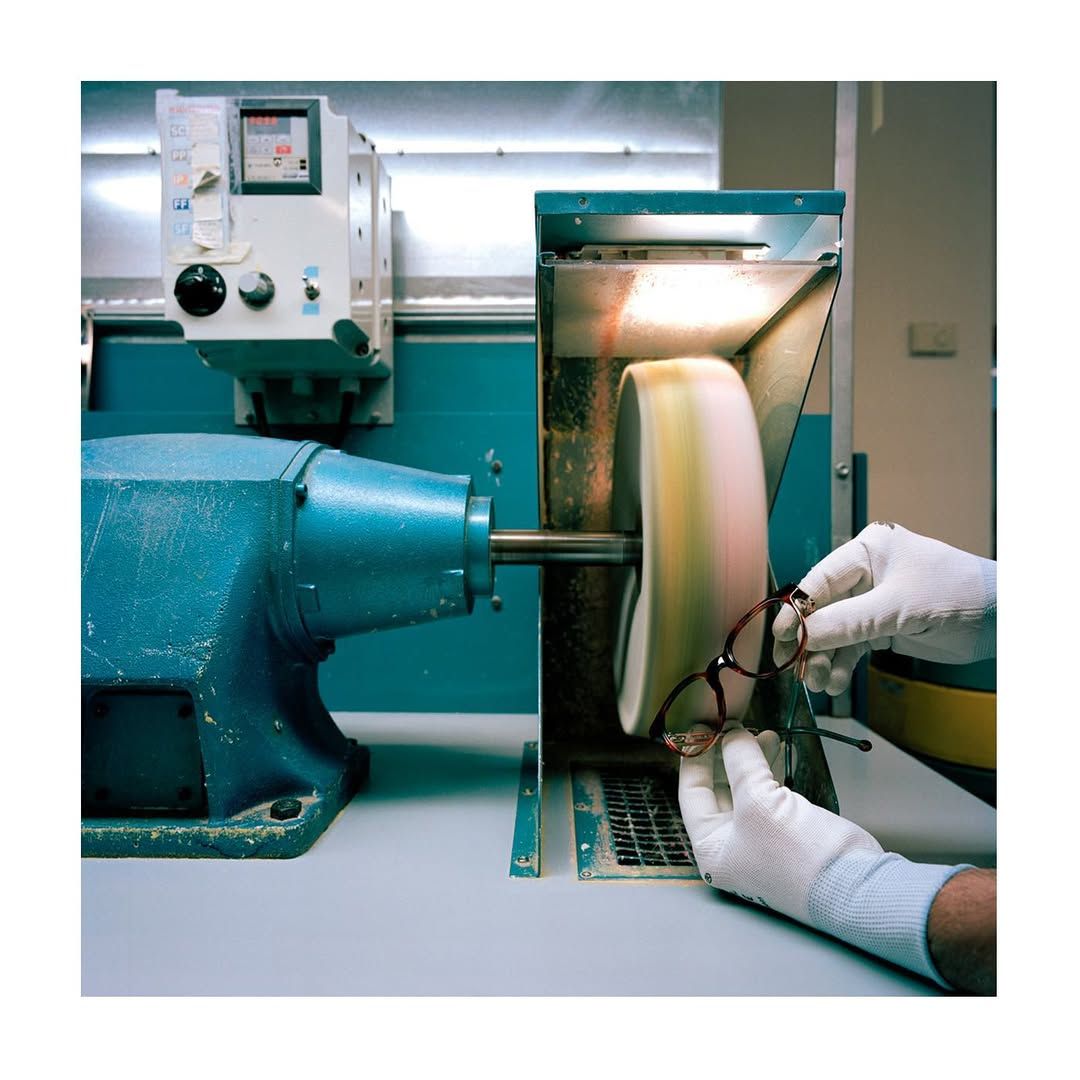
<point x="256" y="289"/>
<point x="311" y="288"/>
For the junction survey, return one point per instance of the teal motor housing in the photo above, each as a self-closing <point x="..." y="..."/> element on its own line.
<point x="217" y="571"/>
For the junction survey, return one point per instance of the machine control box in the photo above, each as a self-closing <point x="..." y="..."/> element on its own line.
<point x="276" y="255"/>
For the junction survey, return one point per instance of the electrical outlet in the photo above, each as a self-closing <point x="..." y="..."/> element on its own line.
<point x="932" y="339"/>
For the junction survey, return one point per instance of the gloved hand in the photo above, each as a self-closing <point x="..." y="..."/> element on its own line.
<point x="891" y="588"/>
<point x="758" y="839"/>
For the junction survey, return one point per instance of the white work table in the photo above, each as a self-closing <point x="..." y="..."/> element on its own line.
<point x="408" y="891"/>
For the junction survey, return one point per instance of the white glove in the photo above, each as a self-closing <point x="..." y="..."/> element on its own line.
<point x="891" y="588"/>
<point x="758" y="839"/>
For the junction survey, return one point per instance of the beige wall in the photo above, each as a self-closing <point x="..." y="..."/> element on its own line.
<point x="924" y="244"/>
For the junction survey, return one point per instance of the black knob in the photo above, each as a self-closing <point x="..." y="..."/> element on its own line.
<point x="256" y="289"/>
<point x="200" y="290"/>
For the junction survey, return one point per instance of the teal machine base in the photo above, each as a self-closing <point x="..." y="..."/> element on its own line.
<point x="217" y="573"/>
<point x="278" y="829"/>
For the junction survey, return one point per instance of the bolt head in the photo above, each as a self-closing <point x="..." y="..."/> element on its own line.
<point x="284" y="809"/>
<point x="586" y="874"/>
<point x="522" y="860"/>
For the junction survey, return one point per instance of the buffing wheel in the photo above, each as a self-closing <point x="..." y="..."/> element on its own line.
<point x="689" y="474"/>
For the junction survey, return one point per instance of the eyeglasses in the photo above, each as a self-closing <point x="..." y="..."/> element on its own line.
<point x="743" y="654"/>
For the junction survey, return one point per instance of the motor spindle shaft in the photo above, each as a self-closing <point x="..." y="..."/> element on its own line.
<point x="534" y="547"/>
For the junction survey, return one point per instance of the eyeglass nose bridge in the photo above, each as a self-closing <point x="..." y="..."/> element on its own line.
<point x="688" y="745"/>
<point x="712" y="672"/>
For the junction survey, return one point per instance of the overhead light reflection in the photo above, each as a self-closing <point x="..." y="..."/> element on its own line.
<point x="703" y="296"/>
<point x="135" y="194"/>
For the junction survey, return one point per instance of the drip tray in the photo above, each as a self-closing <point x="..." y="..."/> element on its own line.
<point x="627" y="823"/>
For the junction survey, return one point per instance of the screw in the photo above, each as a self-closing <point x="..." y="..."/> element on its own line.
<point x="499" y="152"/>
<point x="581" y="806"/>
<point x="375" y="417"/>
<point x="496" y="603"/>
<point x="496" y="466"/>
<point x="586" y="873"/>
<point x="283" y="809"/>
<point x="583" y="201"/>
<point x="523" y="860"/>
<point x="300" y="491"/>
<point x="362" y="349"/>
<point x="843" y="470"/>
<point x="527" y="791"/>
<point x="279" y="726"/>
<point x="708" y="878"/>
<point x="798" y="200"/>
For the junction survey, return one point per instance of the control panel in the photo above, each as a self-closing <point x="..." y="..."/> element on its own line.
<point x="276" y="255"/>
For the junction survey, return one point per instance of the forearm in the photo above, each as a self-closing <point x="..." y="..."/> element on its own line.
<point x="962" y="931"/>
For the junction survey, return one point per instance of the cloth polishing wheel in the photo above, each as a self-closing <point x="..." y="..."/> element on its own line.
<point x="689" y="475"/>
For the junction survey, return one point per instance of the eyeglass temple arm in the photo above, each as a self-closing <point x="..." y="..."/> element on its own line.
<point x="860" y="744"/>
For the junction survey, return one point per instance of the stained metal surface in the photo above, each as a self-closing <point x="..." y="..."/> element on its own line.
<point x="577" y="402"/>
<point x="464" y="158"/>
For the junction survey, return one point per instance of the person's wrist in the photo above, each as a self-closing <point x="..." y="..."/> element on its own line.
<point x="880" y="902"/>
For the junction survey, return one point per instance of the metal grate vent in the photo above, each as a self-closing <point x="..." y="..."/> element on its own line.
<point x="646" y="829"/>
<point x="627" y="824"/>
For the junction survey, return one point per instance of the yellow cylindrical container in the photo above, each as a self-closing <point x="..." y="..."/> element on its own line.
<point x="944" y="722"/>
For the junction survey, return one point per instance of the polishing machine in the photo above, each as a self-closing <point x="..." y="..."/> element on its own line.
<point x="218" y="570"/>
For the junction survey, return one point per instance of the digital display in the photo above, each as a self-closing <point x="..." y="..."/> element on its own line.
<point x="276" y="148"/>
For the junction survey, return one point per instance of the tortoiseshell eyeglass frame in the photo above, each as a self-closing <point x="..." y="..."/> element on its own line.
<point x="694" y="742"/>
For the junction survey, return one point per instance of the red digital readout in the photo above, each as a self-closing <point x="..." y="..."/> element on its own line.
<point x="262" y="121"/>
<point x="282" y="149"/>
